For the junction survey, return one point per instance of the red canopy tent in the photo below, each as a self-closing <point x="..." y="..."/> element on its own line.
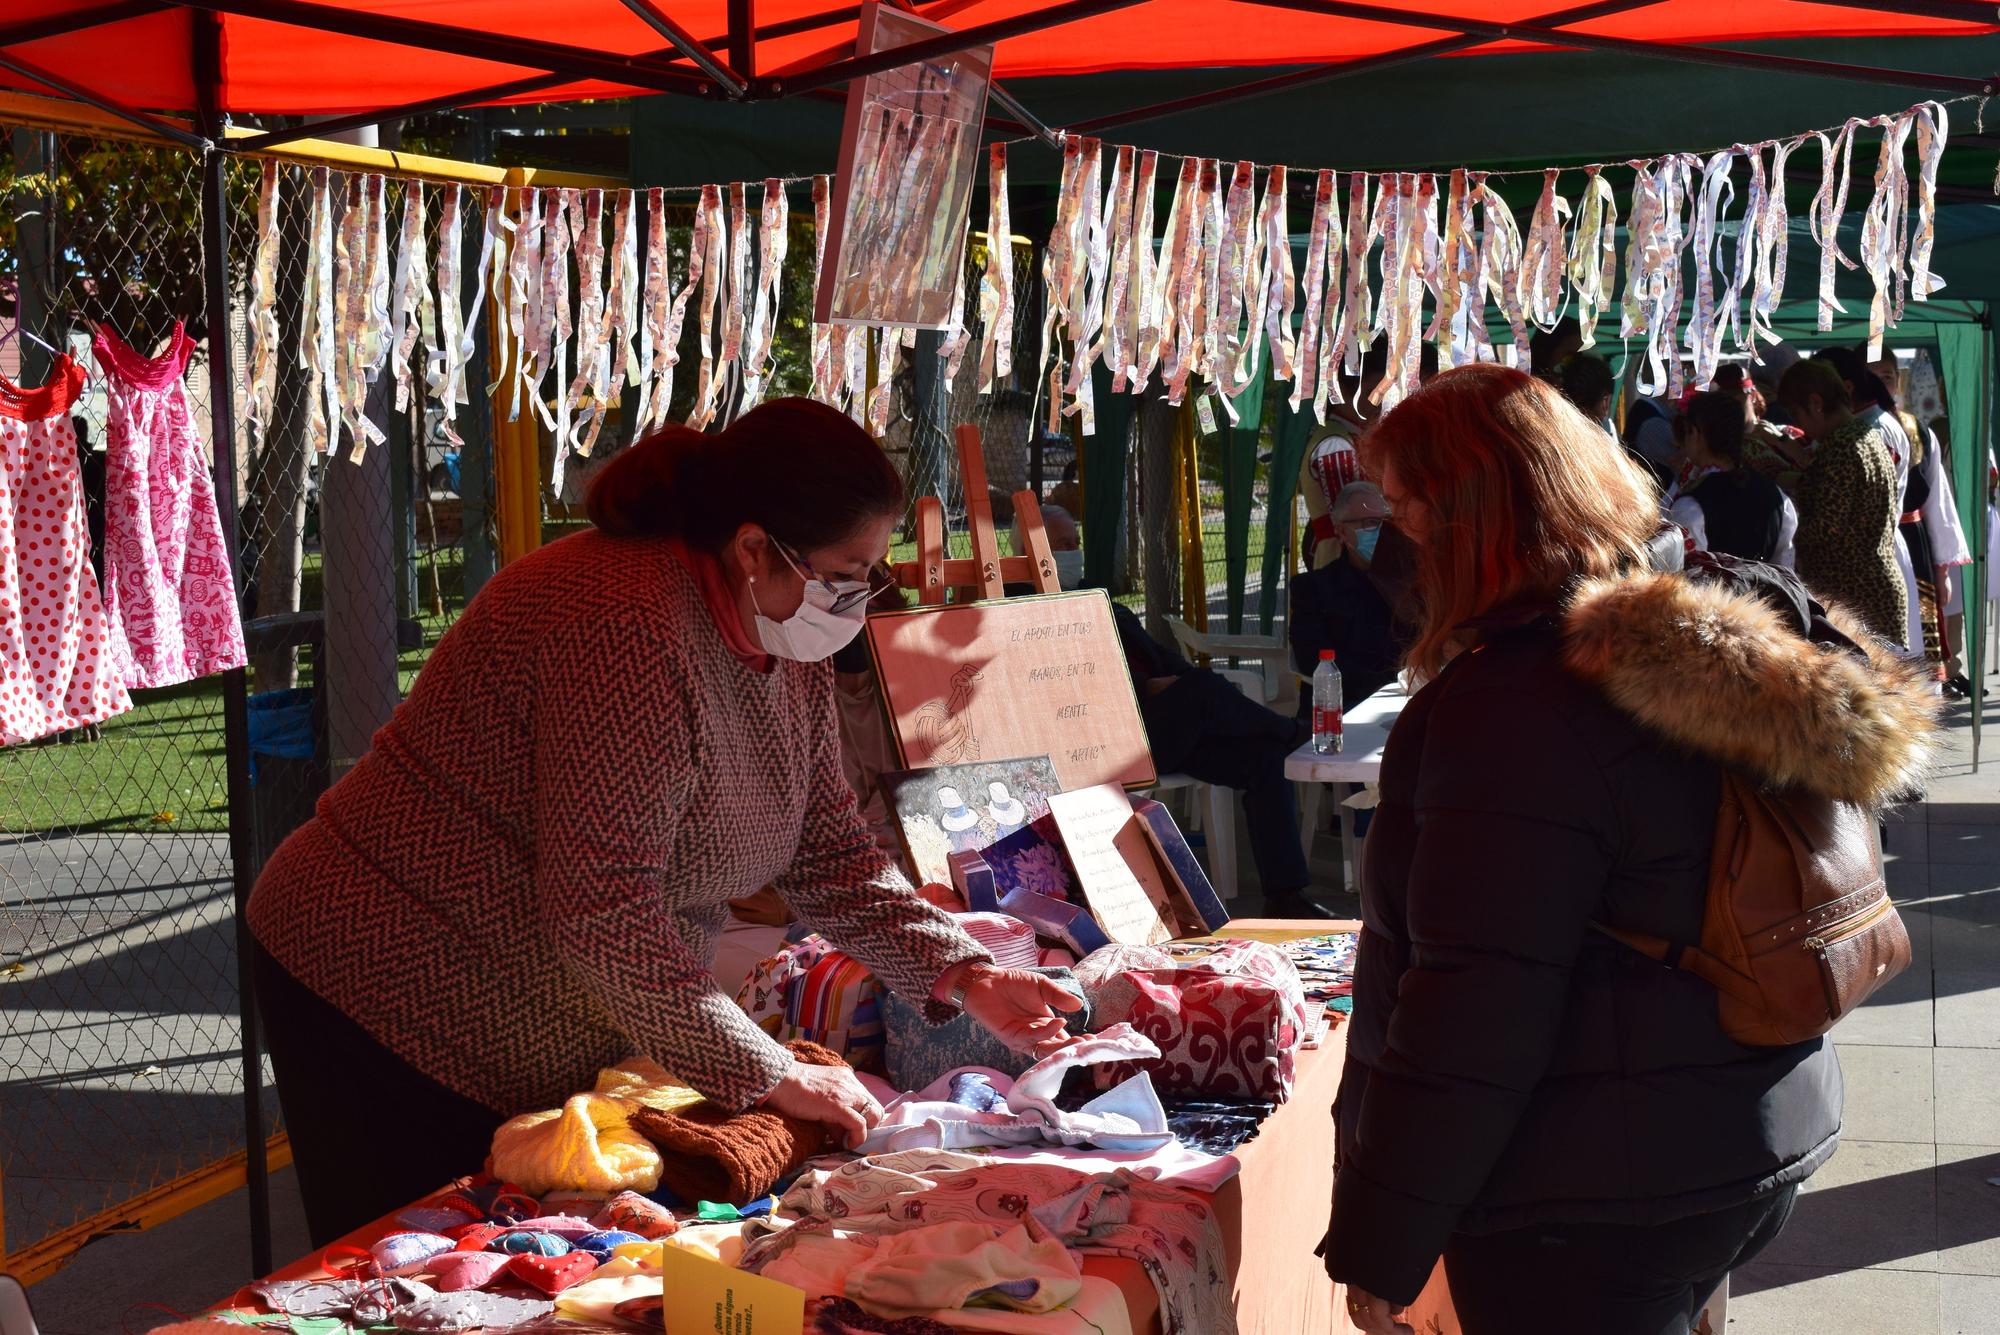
<point x="364" y="61"/>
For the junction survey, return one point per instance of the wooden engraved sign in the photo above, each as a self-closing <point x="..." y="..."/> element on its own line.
<point x="1017" y="677"/>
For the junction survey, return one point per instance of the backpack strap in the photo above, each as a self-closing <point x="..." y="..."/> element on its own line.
<point x="1689" y="959"/>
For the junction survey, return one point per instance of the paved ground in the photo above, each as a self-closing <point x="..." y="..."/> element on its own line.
<point x="1899" y="1235"/>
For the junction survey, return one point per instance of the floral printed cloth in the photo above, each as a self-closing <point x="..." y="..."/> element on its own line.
<point x="168" y="589"/>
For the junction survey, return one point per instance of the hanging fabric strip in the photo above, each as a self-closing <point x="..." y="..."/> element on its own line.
<point x="1593" y="258"/>
<point x="1500" y="262"/>
<point x="1344" y="328"/>
<point x="1086" y="293"/>
<point x="1885" y="231"/>
<point x="737" y="299"/>
<point x="412" y="308"/>
<point x="824" y="382"/>
<point x="1734" y="322"/>
<point x="1058" y="264"/>
<point x="1933" y="125"/>
<point x="1281" y="281"/>
<point x="952" y="350"/>
<point x="316" y="330"/>
<point x="1773" y="251"/>
<point x="1407" y="274"/>
<point x="713" y="279"/>
<point x="996" y="284"/>
<point x="1827" y="207"/>
<point x="1142" y="334"/>
<point x="1118" y="298"/>
<point x="1677" y="196"/>
<point x="1211" y="276"/>
<point x="654" y="303"/>
<point x="377" y="334"/>
<point x="505" y="232"/>
<point x="524" y="268"/>
<point x="590" y="331"/>
<point x="1233" y="272"/>
<point x="1704" y="336"/>
<point x="492" y="251"/>
<point x="623" y="303"/>
<point x="1458" y="270"/>
<point x="441" y="354"/>
<point x="670" y="349"/>
<point x="1387" y="225"/>
<point x="854" y="357"/>
<point x="612" y="341"/>
<point x="263" y="314"/>
<point x="1169" y="351"/>
<point x="773" y="245"/>
<point x="350" y="306"/>
<point x="883" y="399"/>
<point x="1642" y="252"/>
<point x="564" y="208"/>
<point x="1189" y="287"/>
<point x="1257" y="259"/>
<point x="1313" y="291"/>
<point x="1543" y="295"/>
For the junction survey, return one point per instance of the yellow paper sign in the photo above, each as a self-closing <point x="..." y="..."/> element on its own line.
<point x="704" y="1297"/>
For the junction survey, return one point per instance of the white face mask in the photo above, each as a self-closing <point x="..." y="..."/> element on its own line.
<point x="1069" y="569"/>
<point x="816" y="631"/>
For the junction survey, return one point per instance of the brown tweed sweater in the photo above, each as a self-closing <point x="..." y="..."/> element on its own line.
<point x="523" y="881"/>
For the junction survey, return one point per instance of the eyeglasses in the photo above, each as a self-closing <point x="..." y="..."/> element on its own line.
<point x="844" y="600"/>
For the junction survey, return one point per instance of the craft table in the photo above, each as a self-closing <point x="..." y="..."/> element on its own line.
<point x="1271" y="1214"/>
<point x="1365" y="731"/>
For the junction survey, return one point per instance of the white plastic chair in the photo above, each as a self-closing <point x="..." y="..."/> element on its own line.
<point x="1272" y="653"/>
<point x="1212" y="808"/>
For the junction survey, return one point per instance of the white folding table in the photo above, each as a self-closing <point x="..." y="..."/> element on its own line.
<point x="1365" y="731"/>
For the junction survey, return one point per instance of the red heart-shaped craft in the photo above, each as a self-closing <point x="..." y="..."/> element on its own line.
<point x="466" y="1270"/>
<point x="552" y="1274"/>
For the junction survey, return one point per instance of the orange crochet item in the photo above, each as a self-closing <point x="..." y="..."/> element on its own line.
<point x="711" y="1155"/>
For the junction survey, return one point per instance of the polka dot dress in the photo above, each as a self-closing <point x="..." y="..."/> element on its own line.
<point x="56" y="671"/>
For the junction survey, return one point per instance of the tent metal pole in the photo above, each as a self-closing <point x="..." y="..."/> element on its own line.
<point x="236" y="681"/>
<point x="361" y="120"/>
<point x="36" y="30"/>
<point x="110" y="106"/>
<point x="1280" y="83"/>
<point x="944" y="44"/>
<point x="683" y="41"/>
<point x="1008" y="102"/>
<point x="1693" y="55"/>
<point x="575" y="61"/>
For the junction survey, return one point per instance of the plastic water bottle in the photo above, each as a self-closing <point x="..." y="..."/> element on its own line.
<point x="1326" y="705"/>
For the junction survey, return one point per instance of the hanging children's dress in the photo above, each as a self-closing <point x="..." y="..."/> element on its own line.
<point x="56" y="669"/>
<point x="167" y="582"/>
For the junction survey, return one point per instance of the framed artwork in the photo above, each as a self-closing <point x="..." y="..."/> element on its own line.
<point x="909" y="154"/>
<point x="1028" y="676"/>
<point x="965" y="808"/>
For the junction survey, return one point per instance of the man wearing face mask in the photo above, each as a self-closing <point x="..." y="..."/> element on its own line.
<point x="1342" y="605"/>
<point x="524" y="881"/>
<point x="1200" y="725"/>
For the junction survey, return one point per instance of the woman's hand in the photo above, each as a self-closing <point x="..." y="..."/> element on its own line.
<point x="1375" y="1316"/>
<point x="1016" y="1006"/>
<point x="829" y="1095"/>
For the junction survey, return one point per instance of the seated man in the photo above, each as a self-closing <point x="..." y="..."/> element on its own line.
<point x="1200" y="725"/>
<point x="1340" y="607"/>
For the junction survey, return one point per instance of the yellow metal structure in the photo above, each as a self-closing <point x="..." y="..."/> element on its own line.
<point x="1187" y="495"/>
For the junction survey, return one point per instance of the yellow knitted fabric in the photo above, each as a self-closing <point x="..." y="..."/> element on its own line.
<point x="588" y="1144"/>
<point x="644" y="1082"/>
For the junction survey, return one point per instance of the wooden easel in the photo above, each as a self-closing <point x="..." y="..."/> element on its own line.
<point x="936" y="571"/>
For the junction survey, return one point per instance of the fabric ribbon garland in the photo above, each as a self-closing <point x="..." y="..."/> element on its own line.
<point x="773" y="245"/>
<point x="263" y="314"/>
<point x="410" y="305"/>
<point x="714" y="225"/>
<point x="1281" y="284"/>
<point x="1117" y="330"/>
<point x="1740" y="327"/>
<point x="1593" y="261"/>
<point x="1312" y="285"/>
<point x="1933" y="123"/>
<point x="736" y="298"/>
<point x="1836" y="158"/>
<point x="316" y="320"/>
<point x="1885" y="232"/>
<point x="825" y="382"/>
<point x="1543" y="294"/>
<point x="1173" y="347"/>
<point x="1704" y="336"/>
<point x="592" y="335"/>
<point x="1500" y="261"/>
<point x="952" y="349"/>
<point x="1142" y="336"/>
<point x="524" y="267"/>
<point x="655" y="304"/>
<point x="1234" y="274"/>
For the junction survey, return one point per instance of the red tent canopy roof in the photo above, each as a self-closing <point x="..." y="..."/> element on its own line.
<point x="295" y="64"/>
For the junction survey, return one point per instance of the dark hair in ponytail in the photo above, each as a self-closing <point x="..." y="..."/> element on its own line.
<point x="806" y="473"/>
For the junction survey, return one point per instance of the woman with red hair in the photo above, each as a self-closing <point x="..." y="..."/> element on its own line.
<point x="1559" y="1118"/>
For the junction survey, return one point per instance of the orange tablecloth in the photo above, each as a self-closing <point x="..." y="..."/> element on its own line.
<point x="1271" y="1214"/>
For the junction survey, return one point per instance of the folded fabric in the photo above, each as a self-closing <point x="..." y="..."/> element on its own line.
<point x="632" y="1273"/>
<point x="916" y="1052"/>
<point x="458" y="1271"/>
<point x="708" y="1154"/>
<point x="1007" y="939"/>
<point x="470" y="1311"/>
<point x="644" y="1082"/>
<point x="552" y="1274"/>
<point x="588" y="1144"/>
<point x="634" y="1213"/>
<point x="983" y="1107"/>
<point x="369" y="1302"/>
<point x="959" y="1264"/>
<point x="407" y="1253"/>
<point x="842" y="1316"/>
<point x="605" y="1241"/>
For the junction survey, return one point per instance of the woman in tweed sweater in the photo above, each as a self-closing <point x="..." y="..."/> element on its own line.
<point x="524" y="879"/>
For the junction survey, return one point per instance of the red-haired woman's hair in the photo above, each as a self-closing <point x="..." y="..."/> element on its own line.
<point x="807" y="474"/>
<point x="1522" y="497"/>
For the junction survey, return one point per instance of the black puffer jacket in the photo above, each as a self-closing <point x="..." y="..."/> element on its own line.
<point x="1508" y="1065"/>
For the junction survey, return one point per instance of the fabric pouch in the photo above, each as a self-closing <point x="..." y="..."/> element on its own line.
<point x="813" y="993"/>
<point x="918" y="1053"/>
<point x="1228" y="1016"/>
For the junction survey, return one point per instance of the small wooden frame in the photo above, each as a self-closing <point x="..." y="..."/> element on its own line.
<point x="935" y="571"/>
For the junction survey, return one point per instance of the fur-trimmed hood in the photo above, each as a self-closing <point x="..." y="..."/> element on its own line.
<point x="1722" y="673"/>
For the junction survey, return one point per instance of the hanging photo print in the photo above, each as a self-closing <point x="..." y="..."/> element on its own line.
<point x="908" y="157"/>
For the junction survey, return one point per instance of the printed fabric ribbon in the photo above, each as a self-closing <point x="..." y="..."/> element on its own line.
<point x="714" y="224"/>
<point x="655" y="304"/>
<point x="316" y="320"/>
<point x="1593" y="258"/>
<point x="410" y="301"/>
<point x="524" y="270"/>
<point x="1117" y="322"/>
<point x="773" y="245"/>
<point x="996" y="284"/>
<point x="1142" y="339"/>
<point x="825" y="378"/>
<point x="1544" y="297"/>
<point x="581" y="406"/>
<point x="1885" y="231"/>
<point x="1281" y="284"/>
<point x="1312" y="285"/>
<point x="1836" y="160"/>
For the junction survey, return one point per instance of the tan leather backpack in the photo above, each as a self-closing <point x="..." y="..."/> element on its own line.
<point x="1799" y="928"/>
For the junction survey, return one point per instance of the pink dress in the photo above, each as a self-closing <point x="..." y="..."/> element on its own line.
<point x="56" y="671"/>
<point x="167" y="581"/>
